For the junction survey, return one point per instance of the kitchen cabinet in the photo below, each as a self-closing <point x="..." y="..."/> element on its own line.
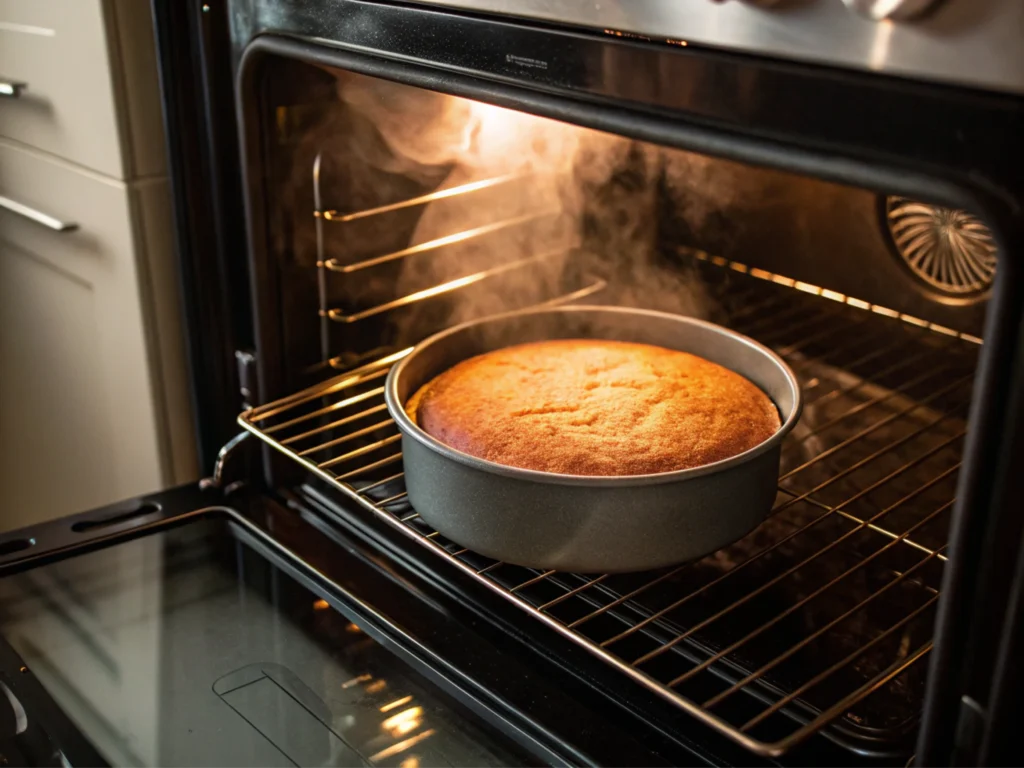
<point x="90" y="92"/>
<point x="82" y="348"/>
<point x="94" y="404"/>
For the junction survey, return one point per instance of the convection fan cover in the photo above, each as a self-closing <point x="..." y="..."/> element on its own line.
<point x="950" y="250"/>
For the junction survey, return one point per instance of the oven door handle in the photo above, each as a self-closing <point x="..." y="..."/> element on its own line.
<point x="48" y="221"/>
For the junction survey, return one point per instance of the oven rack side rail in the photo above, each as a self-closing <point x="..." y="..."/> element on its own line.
<point x="336" y="267"/>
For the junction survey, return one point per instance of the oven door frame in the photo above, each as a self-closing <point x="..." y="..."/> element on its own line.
<point x="865" y="131"/>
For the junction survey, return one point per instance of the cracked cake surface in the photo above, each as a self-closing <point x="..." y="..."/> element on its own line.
<point x="594" y="407"/>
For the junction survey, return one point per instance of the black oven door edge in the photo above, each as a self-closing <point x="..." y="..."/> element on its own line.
<point x="419" y="624"/>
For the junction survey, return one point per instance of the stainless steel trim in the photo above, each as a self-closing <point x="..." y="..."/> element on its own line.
<point x="896" y="10"/>
<point x="969" y="42"/>
<point x="37" y="216"/>
<point x="11" y="89"/>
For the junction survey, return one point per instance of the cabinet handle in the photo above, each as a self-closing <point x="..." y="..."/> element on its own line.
<point x="37" y="216"/>
<point x="11" y="88"/>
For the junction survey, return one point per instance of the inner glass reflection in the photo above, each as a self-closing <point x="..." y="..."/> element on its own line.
<point x="189" y="648"/>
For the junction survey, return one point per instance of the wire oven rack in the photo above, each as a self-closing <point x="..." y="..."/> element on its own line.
<point x="820" y="619"/>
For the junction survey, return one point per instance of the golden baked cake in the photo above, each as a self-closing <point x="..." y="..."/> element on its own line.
<point x="594" y="407"/>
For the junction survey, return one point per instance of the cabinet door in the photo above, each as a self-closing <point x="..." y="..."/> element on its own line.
<point x="58" y="49"/>
<point x="79" y="420"/>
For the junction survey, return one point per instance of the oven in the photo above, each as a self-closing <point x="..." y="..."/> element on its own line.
<point x="840" y="181"/>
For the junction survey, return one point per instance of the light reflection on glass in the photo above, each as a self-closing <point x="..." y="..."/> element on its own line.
<point x="406" y="721"/>
<point x="397" y="749"/>
<point x="396" y="703"/>
<point x="357" y="680"/>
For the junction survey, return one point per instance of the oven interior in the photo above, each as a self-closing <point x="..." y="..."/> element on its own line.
<point x="390" y="212"/>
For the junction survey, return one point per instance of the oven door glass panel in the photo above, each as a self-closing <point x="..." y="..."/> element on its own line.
<point x="188" y="647"/>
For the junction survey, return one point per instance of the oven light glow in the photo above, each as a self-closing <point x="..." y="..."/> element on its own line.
<point x="499" y="140"/>
<point x="807" y="288"/>
<point x="879" y="52"/>
<point x="491" y="127"/>
<point x="320" y="605"/>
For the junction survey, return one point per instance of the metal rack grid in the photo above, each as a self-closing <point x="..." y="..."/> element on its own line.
<point x="816" y="621"/>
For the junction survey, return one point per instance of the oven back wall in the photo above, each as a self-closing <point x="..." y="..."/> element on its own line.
<point x="829" y="235"/>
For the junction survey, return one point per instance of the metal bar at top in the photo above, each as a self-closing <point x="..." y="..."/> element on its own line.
<point x="435" y="244"/>
<point x="341" y="316"/>
<point x="441" y="194"/>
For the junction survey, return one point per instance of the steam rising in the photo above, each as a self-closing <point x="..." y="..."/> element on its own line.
<point x="583" y="205"/>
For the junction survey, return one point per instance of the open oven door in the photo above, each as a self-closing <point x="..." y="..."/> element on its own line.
<point x="196" y="627"/>
<point x="174" y="629"/>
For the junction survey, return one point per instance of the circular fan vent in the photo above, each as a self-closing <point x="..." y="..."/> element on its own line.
<point x="950" y="250"/>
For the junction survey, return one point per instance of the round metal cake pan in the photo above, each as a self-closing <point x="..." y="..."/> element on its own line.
<point x="583" y="523"/>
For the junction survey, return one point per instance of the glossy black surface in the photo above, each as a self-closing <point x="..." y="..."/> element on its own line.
<point x="509" y="687"/>
<point x="33" y="728"/>
<point x="191" y="647"/>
